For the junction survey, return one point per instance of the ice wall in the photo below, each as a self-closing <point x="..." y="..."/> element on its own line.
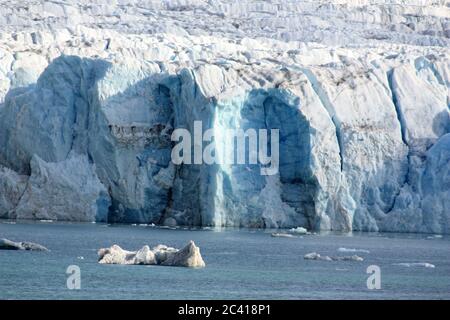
<point x="94" y="139"/>
<point x="89" y="97"/>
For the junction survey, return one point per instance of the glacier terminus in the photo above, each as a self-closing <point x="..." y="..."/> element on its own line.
<point x="90" y="95"/>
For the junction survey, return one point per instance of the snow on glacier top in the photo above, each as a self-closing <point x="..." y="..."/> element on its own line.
<point x="337" y="22"/>
<point x="254" y="35"/>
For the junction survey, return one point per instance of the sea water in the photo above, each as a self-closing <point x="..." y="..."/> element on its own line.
<point x="240" y="264"/>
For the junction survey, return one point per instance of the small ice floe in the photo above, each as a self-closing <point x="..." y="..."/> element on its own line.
<point x="80" y="258"/>
<point x="8" y="222"/>
<point x="168" y="227"/>
<point x="299" y="230"/>
<point x="142" y="225"/>
<point x="46" y="221"/>
<point x="6" y="244"/>
<point x="415" y="264"/>
<point x="353" y="250"/>
<point x="435" y="236"/>
<point x="189" y="256"/>
<point x="282" y="235"/>
<point x="317" y="256"/>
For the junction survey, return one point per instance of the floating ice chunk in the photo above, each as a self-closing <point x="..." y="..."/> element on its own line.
<point x="348" y="258"/>
<point x="6" y="244"/>
<point x="317" y="256"/>
<point x="282" y="235"/>
<point x="189" y="256"/>
<point x="435" y="236"/>
<point x="415" y="264"/>
<point x="299" y="230"/>
<point x="353" y="250"/>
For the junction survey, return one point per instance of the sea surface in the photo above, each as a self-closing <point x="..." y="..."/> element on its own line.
<point x="240" y="264"/>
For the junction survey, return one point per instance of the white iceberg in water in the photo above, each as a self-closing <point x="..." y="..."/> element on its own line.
<point x="299" y="230"/>
<point x="317" y="256"/>
<point x="415" y="264"/>
<point x="189" y="256"/>
<point x="6" y="244"/>
<point x="282" y="235"/>
<point x="353" y="250"/>
<point x="435" y="236"/>
<point x="348" y="258"/>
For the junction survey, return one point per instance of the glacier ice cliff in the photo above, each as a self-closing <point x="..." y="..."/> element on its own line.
<point x="86" y="116"/>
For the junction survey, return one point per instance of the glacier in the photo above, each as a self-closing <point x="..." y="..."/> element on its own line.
<point x="360" y="91"/>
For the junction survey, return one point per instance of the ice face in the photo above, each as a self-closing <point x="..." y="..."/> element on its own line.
<point x="66" y="190"/>
<point x="86" y="117"/>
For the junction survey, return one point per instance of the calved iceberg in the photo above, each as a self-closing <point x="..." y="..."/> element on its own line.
<point x="317" y="256"/>
<point x="188" y="256"/>
<point x="6" y="244"/>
